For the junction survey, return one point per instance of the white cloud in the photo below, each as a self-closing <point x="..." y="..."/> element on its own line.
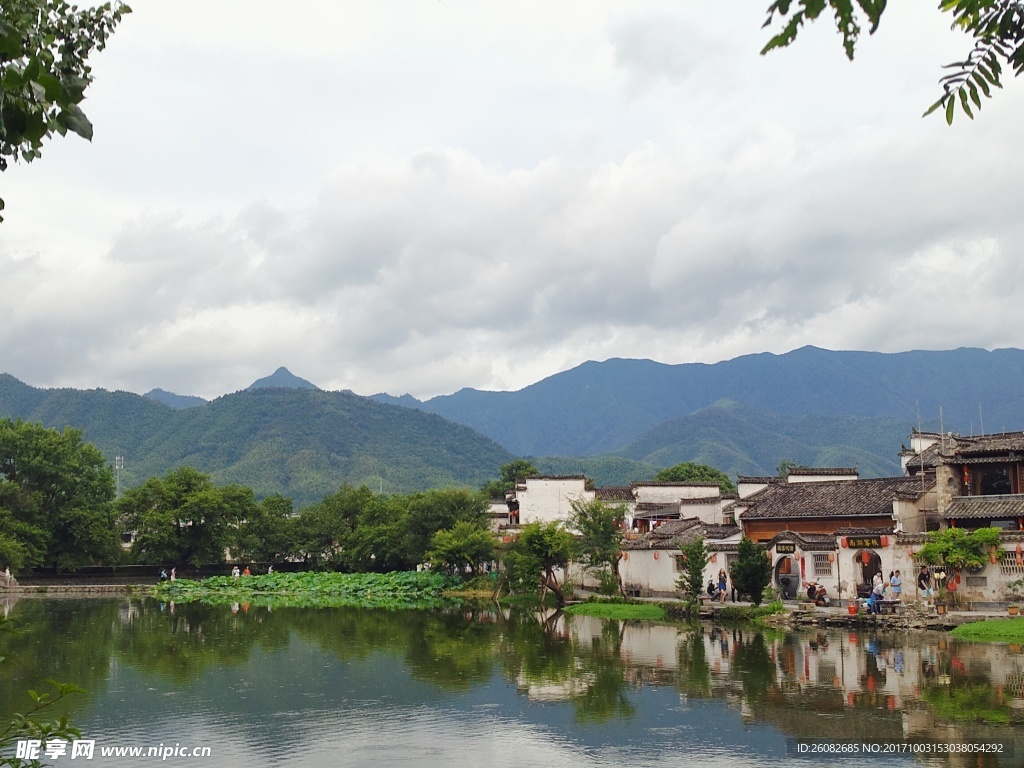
<point x="445" y="195"/>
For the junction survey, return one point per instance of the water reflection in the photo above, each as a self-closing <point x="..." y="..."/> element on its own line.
<point x="293" y="682"/>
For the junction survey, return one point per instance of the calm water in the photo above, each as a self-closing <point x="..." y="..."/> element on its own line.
<point x="344" y="687"/>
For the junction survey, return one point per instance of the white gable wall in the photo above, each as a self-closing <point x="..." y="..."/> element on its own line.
<point x="546" y="499"/>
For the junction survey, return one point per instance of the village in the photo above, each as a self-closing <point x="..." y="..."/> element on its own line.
<point x="822" y="526"/>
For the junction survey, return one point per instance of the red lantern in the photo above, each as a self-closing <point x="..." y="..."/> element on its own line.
<point x="655" y="554"/>
<point x="865" y="557"/>
<point x="885" y="541"/>
<point x="831" y="557"/>
<point x="843" y="542"/>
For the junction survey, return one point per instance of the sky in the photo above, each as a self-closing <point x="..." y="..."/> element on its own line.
<point x="427" y="195"/>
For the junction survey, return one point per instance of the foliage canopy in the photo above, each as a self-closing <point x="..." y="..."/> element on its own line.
<point x="695" y="560"/>
<point x="599" y="529"/>
<point x="56" y="499"/>
<point x="752" y="570"/>
<point x="44" y="71"/>
<point x="960" y="549"/>
<point x="997" y="27"/>
<point x="689" y="472"/>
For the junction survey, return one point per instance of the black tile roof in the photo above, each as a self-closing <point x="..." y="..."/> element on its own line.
<point x="1005" y="506"/>
<point x="830" y="498"/>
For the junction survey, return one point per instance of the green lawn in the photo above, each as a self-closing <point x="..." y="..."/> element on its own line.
<point x="618" y="610"/>
<point x="992" y="631"/>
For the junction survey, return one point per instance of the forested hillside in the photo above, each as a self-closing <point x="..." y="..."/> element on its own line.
<point x="302" y="443"/>
<point x="599" y="408"/>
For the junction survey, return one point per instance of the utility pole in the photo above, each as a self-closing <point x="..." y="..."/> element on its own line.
<point x="118" y="466"/>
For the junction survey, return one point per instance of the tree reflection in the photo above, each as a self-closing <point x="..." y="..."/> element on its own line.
<point x="753" y="666"/>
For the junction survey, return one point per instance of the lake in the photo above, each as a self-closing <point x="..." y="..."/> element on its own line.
<point x="350" y="687"/>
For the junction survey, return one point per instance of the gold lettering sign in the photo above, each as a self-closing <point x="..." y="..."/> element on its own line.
<point x="785" y="549"/>
<point x="859" y="542"/>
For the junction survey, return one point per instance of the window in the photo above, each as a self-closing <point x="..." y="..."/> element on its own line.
<point x="822" y="565"/>
<point x="994" y="479"/>
<point x="679" y="563"/>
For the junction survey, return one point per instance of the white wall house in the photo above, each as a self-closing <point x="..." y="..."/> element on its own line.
<point x="651" y="565"/>
<point x="549" y="499"/>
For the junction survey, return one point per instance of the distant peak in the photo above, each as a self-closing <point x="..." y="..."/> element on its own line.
<point x="282" y="378"/>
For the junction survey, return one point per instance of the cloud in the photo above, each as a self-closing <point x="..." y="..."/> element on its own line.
<point x="482" y="197"/>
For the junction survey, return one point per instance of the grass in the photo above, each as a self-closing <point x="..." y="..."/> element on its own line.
<point x="618" y="611"/>
<point x="748" y="613"/>
<point x="992" y="631"/>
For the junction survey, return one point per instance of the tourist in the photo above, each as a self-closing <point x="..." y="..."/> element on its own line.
<point x="896" y="583"/>
<point x="163" y="574"/>
<point x="247" y="572"/>
<point x="722" y="585"/>
<point x="235" y="573"/>
<point x="924" y="583"/>
<point x="270" y="569"/>
<point x="174" y="573"/>
<point x="7" y="576"/>
<point x="712" y="589"/>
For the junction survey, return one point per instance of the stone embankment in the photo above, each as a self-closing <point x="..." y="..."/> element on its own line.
<point x="911" y="617"/>
<point x="72" y="590"/>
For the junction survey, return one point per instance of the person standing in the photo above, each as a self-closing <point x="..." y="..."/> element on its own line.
<point x="722" y="585"/>
<point x="7" y="576"/>
<point x="174" y="573"/>
<point x="896" y="584"/>
<point x="924" y="582"/>
<point x="235" y="573"/>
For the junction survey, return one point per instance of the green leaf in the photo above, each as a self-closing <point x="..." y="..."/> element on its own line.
<point x="950" y="106"/>
<point x="974" y="94"/>
<point x="51" y="86"/>
<point x="962" y="93"/>
<point x="74" y="119"/>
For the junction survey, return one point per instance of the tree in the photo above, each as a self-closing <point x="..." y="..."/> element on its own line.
<point x="960" y="549"/>
<point x="56" y="498"/>
<point x="997" y="27"/>
<point x="691" y="583"/>
<point x="599" y="528"/>
<point x="466" y="545"/>
<point x="540" y="550"/>
<point x="507" y="477"/>
<point x="322" y="531"/>
<point x="184" y="518"/>
<point x="784" y="468"/>
<point x="689" y="472"/>
<point x="44" y="71"/>
<point x="266" y="534"/>
<point x="752" y="570"/>
<point x="428" y="512"/>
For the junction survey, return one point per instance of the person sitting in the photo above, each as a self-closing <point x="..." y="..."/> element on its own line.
<point x="872" y="602"/>
<point x="712" y="590"/>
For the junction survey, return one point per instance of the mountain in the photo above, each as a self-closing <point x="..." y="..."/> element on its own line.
<point x="599" y="408"/>
<point x="282" y="378"/>
<point x="177" y="402"/>
<point x="302" y="443"/>
<point x="742" y="440"/>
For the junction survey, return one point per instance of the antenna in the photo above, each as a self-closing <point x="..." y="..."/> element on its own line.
<point x="981" y="419"/>
<point x="942" y="431"/>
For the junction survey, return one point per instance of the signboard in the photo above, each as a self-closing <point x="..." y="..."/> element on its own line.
<point x="785" y="549"/>
<point x="861" y="542"/>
